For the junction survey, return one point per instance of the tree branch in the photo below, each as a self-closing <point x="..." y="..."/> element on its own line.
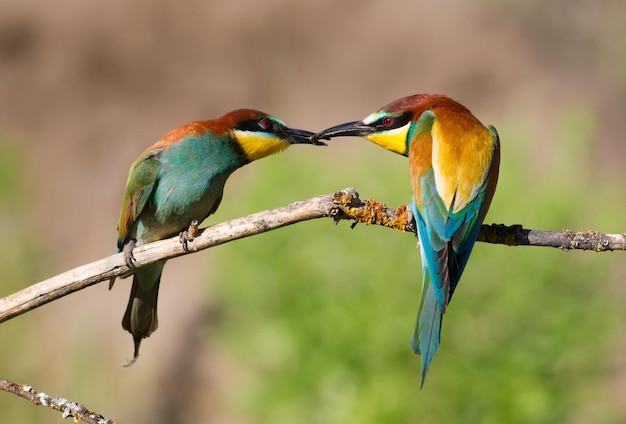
<point x="69" y="409"/>
<point x="342" y="205"/>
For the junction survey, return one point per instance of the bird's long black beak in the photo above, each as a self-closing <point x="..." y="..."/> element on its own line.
<point x="296" y="136"/>
<point x="356" y="129"/>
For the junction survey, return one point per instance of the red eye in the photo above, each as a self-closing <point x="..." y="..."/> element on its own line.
<point x="388" y="121"/>
<point x="265" y="123"/>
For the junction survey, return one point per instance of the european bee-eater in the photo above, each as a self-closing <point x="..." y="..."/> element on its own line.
<point x="179" y="181"/>
<point x="453" y="164"/>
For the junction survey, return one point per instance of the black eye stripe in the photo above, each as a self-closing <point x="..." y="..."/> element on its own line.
<point x="398" y="121"/>
<point x="258" y="125"/>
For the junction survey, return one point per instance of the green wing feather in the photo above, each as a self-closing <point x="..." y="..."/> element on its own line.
<point x="141" y="182"/>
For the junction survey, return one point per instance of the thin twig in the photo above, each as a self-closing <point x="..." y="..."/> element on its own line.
<point x="68" y="409"/>
<point x="342" y="205"/>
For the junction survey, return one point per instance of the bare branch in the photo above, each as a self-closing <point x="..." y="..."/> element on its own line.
<point x="343" y="205"/>
<point x="516" y="235"/>
<point x="67" y="408"/>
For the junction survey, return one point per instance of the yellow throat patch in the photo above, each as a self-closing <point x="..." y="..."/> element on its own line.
<point x="393" y="140"/>
<point x="257" y="145"/>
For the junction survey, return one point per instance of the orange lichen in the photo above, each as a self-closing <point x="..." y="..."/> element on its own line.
<point x="402" y="220"/>
<point x="371" y="212"/>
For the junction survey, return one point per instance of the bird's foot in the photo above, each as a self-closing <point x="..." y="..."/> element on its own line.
<point x="189" y="235"/>
<point x="128" y="257"/>
<point x="128" y="253"/>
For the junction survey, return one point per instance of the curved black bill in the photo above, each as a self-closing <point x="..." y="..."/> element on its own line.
<point x="296" y="136"/>
<point x="356" y="129"/>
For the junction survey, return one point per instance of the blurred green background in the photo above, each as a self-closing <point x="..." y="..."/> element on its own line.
<point x="311" y="323"/>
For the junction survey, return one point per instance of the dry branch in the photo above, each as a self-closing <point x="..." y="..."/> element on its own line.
<point x="344" y="204"/>
<point x="67" y="408"/>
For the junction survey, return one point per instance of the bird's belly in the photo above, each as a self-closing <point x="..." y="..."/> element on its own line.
<point x="176" y="204"/>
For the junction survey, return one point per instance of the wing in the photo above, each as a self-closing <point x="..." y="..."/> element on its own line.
<point x="429" y="210"/>
<point x="472" y="216"/>
<point x="431" y="218"/>
<point x="451" y="193"/>
<point x="142" y="179"/>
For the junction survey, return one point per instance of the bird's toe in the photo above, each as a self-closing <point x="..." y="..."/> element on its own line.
<point x="189" y="234"/>
<point x="128" y="253"/>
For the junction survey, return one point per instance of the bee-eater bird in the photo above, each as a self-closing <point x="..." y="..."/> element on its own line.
<point x="453" y="164"/>
<point x="178" y="182"/>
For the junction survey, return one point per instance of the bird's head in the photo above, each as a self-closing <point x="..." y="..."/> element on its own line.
<point x="392" y="126"/>
<point x="260" y="135"/>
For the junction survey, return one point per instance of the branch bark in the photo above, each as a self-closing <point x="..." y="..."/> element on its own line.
<point x="68" y="409"/>
<point x="342" y="205"/>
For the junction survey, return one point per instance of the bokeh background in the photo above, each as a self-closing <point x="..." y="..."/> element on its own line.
<point x="311" y="323"/>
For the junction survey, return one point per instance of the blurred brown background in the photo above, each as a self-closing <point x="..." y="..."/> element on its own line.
<point x="86" y="86"/>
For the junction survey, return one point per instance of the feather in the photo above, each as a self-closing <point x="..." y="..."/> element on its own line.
<point x="139" y="188"/>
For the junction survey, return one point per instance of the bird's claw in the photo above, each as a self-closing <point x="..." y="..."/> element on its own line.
<point x="128" y="253"/>
<point x="189" y="235"/>
<point x="128" y="257"/>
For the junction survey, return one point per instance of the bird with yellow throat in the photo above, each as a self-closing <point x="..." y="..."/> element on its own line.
<point x="454" y="162"/>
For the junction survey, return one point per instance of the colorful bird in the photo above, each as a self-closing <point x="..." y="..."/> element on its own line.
<point x="178" y="182"/>
<point x="453" y="163"/>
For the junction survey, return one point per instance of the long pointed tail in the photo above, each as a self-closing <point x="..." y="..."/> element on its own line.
<point x="140" y="318"/>
<point x="427" y="332"/>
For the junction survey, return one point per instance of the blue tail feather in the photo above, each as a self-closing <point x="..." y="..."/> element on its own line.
<point x="427" y="332"/>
